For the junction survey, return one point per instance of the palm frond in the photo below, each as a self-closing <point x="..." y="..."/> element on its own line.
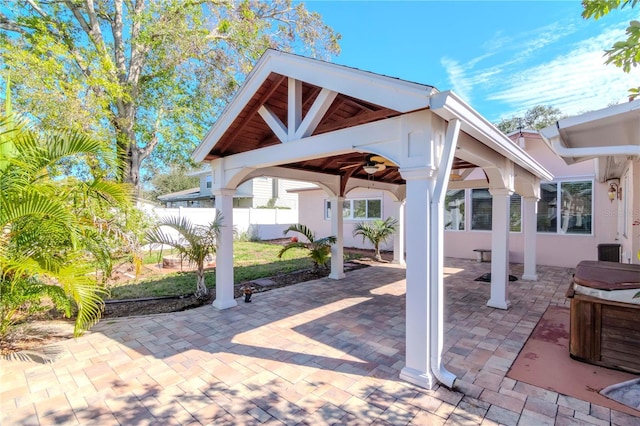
<point x="302" y="229"/>
<point x="292" y="245"/>
<point x="85" y="293"/>
<point x="325" y="241"/>
<point x="31" y="203"/>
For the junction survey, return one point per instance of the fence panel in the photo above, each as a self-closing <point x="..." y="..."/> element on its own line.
<point x="263" y="224"/>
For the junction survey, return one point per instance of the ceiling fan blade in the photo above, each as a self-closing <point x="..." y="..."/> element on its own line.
<point x="381" y="160"/>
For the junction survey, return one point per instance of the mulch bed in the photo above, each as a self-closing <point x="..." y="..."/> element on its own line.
<point x="124" y="308"/>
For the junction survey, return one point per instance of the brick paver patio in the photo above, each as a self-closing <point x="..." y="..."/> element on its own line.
<point x="321" y="352"/>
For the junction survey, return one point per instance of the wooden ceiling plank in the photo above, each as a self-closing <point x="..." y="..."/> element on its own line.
<point x="251" y="112"/>
<point x="357" y="120"/>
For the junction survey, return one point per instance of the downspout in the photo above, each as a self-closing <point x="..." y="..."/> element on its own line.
<point x="437" y="247"/>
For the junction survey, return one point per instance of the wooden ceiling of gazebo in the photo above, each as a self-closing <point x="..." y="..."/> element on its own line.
<point x="249" y="131"/>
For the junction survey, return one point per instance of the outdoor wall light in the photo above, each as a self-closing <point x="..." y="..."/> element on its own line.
<point x="614" y="192"/>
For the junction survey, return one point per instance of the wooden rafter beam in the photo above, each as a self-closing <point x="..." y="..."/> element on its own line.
<point x="251" y="112"/>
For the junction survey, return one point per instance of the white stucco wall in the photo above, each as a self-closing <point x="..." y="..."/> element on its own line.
<point x="551" y="249"/>
<point x="311" y="214"/>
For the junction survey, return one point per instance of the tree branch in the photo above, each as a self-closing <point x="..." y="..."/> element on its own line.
<point x="37" y="9"/>
<point x="116" y="29"/>
<point x="9" y="25"/>
<point x="149" y="147"/>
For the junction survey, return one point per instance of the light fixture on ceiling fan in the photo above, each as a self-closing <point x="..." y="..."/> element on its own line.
<point x="373" y="168"/>
<point x="371" y="164"/>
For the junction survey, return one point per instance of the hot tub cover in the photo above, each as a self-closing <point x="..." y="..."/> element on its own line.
<point x="607" y="275"/>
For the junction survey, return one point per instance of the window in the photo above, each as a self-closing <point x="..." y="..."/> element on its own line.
<point x="454" y="210"/>
<point x="207" y="180"/>
<point x="360" y="209"/>
<point x="574" y="214"/>
<point x="481" y="211"/>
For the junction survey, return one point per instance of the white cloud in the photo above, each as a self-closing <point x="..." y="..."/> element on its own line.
<point x="574" y="82"/>
<point x="465" y="78"/>
<point x="456" y="73"/>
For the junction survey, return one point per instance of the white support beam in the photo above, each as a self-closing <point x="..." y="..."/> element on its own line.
<point x="417" y="369"/>
<point x="274" y="123"/>
<point x="329" y="183"/>
<point x="294" y="111"/>
<point x="398" y="237"/>
<point x="337" y="229"/>
<point x="315" y="114"/>
<point x="468" y="184"/>
<point x="326" y="144"/>
<point x="224" y="252"/>
<point x="501" y="203"/>
<point x="529" y="228"/>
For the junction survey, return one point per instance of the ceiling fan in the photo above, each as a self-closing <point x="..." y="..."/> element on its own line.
<point x="372" y="164"/>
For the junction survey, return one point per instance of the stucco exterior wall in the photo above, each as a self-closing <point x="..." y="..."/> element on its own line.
<point x="311" y="213"/>
<point x="551" y="249"/>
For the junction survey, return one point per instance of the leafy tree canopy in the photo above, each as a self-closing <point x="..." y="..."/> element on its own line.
<point x="623" y="54"/>
<point x="149" y="76"/>
<point x="177" y="179"/>
<point x="535" y="118"/>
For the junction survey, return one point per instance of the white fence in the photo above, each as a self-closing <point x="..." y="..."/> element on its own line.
<point x="261" y="224"/>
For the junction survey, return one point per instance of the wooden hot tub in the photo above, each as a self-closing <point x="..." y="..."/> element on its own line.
<point x="605" y="317"/>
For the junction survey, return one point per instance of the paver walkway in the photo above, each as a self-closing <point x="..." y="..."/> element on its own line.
<point x="321" y="352"/>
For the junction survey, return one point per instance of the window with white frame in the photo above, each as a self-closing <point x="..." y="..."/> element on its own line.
<point x="357" y="209"/>
<point x="207" y="181"/>
<point x="565" y="207"/>
<point x="482" y="211"/>
<point x="454" y="210"/>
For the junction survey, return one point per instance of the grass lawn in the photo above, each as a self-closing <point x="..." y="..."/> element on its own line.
<point x="252" y="260"/>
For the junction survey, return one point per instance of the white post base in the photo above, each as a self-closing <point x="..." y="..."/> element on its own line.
<point x="224" y="304"/>
<point x="418" y="378"/>
<point x="532" y="277"/>
<point x="336" y="275"/>
<point x="498" y="304"/>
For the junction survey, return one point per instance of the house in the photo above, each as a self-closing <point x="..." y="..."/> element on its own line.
<point x="609" y="140"/>
<point x="468" y="211"/>
<point x="258" y="192"/>
<point x="307" y="120"/>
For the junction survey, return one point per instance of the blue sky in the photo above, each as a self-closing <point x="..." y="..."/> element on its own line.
<point x="501" y="57"/>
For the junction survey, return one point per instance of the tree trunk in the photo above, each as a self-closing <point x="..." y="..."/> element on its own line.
<point x="201" y="286"/>
<point x="131" y="160"/>
<point x="378" y="256"/>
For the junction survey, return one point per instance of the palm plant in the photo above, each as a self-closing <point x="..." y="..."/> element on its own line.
<point x="49" y="240"/>
<point x="194" y="243"/>
<point x="319" y="250"/>
<point x="376" y="232"/>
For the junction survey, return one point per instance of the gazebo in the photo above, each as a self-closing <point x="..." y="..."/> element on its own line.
<point x="341" y="128"/>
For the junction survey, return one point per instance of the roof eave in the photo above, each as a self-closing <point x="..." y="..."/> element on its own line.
<point x="448" y="105"/>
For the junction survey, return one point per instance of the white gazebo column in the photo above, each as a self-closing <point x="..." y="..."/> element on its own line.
<point x="501" y="201"/>
<point x="529" y="228"/>
<point x="337" y="229"/>
<point x="224" y="254"/>
<point x="398" y="237"/>
<point x="418" y="331"/>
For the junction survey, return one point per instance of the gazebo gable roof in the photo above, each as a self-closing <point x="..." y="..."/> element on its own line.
<point x="361" y="97"/>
